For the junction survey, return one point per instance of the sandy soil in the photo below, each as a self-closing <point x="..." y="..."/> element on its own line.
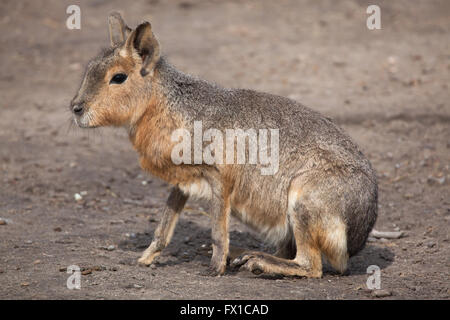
<point x="388" y="88"/>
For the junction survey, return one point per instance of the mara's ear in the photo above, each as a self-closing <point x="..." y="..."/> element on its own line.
<point x="118" y="30"/>
<point x="143" y="41"/>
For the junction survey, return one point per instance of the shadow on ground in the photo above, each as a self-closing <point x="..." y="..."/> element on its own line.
<point x="191" y="241"/>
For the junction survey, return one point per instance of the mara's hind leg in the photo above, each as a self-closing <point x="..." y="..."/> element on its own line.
<point x="305" y="262"/>
<point x="332" y="239"/>
<point x="314" y="234"/>
<point x="286" y="250"/>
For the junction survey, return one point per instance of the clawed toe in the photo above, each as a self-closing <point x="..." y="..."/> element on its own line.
<point x="248" y="262"/>
<point x="239" y="261"/>
<point x="253" y="266"/>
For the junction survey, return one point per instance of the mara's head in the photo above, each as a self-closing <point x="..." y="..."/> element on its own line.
<point x="117" y="83"/>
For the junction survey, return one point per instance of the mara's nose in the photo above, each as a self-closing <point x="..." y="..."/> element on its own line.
<point x="78" y="109"/>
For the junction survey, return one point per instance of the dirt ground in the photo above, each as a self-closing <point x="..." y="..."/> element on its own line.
<point x="388" y="88"/>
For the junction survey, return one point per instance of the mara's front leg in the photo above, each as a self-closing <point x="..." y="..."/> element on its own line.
<point x="220" y="214"/>
<point x="163" y="233"/>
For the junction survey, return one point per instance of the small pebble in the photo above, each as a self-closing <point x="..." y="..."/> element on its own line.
<point x="77" y="196"/>
<point x="430" y="244"/>
<point x="392" y="60"/>
<point x="432" y="180"/>
<point x="381" y="293"/>
<point x="74" y="67"/>
<point x="2" y="222"/>
<point x="111" y="248"/>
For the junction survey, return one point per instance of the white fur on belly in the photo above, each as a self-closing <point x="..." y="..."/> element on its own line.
<point x="277" y="234"/>
<point x="271" y="234"/>
<point x="199" y="189"/>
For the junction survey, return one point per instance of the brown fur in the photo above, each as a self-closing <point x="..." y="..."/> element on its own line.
<point x="323" y="199"/>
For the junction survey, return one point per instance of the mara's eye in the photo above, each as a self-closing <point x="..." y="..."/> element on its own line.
<point x="118" y="78"/>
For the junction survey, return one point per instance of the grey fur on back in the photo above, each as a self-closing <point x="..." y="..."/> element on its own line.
<point x="311" y="147"/>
